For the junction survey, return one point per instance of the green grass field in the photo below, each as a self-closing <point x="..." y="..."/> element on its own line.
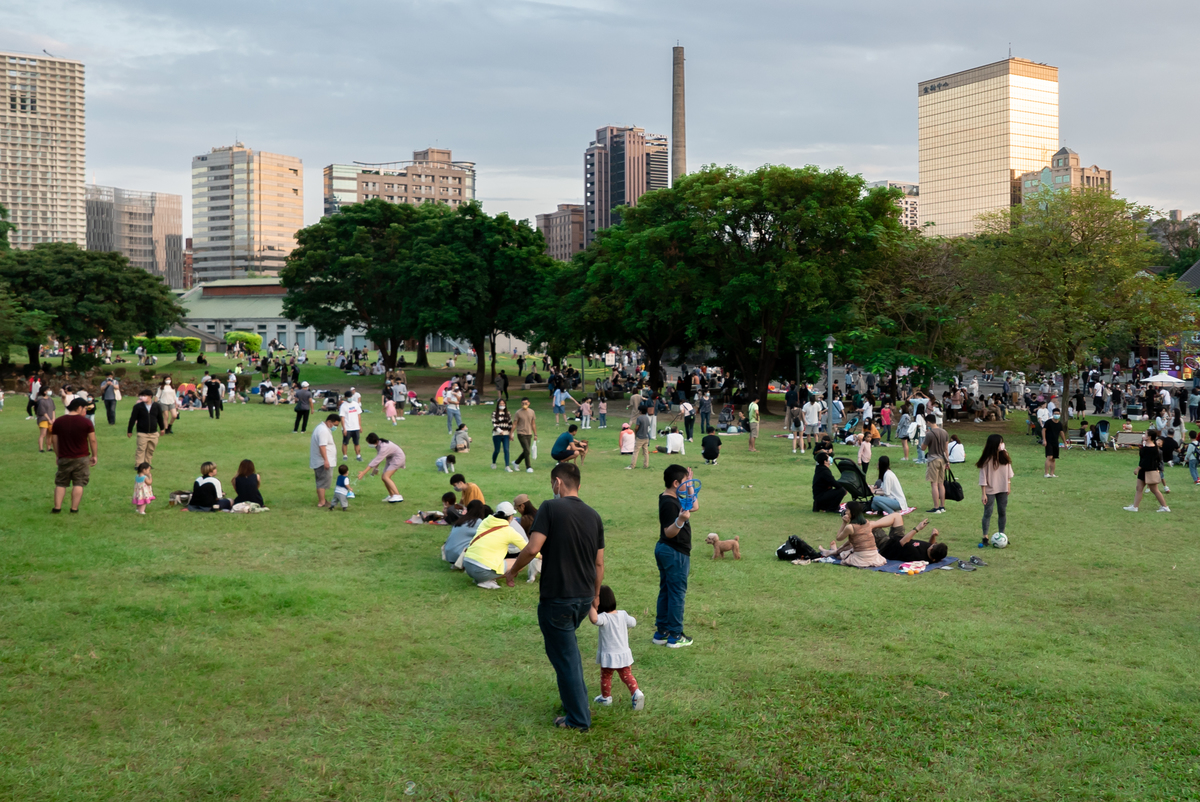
<point x="302" y="654"/>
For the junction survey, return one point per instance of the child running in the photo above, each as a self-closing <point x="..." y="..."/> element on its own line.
<point x="143" y="493"/>
<point x="389" y="409"/>
<point x="613" y="653"/>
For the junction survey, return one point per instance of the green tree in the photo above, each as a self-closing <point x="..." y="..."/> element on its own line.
<point x="88" y="294"/>
<point x="5" y="227"/>
<point x="359" y="268"/>
<point x="1066" y="273"/>
<point x="20" y="326"/>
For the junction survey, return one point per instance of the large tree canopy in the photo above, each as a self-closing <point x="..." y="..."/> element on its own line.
<point x="358" y="268"/>
<point x="88" y="294"/>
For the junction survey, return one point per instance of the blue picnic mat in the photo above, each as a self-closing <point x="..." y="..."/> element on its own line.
<point x="893" y="566"/>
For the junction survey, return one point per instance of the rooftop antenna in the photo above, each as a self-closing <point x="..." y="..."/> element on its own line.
<point x="48" y="53"/>
<point x="1010" y="49"/>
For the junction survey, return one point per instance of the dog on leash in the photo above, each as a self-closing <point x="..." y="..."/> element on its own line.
<point x="722" y="546"/>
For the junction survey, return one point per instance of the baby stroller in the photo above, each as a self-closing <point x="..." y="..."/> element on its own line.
<point x="1100" y="436"/>
<point x="416" y="407"/>
<point x="851" y="478"/>
<point x="332" y="401"/>
<point x="847" y="429"/>
<point x="726" y="415"/>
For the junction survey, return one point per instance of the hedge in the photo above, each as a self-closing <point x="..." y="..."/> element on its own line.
<point x="166" y="345"/>
<point x="253" y="342"/>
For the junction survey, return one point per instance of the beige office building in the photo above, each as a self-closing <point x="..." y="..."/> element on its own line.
<point x="145" y="227"/>
<point x="1065" y="172"/>
<point x="431" y="177"/>
<point x="247" y="206"/>
<point x="563" y="231"/>
<point x="42" y="150"/>
<point x="619" y="166"/>
<point x="978" y="132"/>
<point x="910" y="204"/>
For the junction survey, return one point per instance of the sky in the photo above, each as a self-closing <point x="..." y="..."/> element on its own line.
<point x="520" y="87"/>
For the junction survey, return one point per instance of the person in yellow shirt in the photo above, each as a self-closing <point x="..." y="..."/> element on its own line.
<point x="470" y="491"/>
<point x="487" y="556"/>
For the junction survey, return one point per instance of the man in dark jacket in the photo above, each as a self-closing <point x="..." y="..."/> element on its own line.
<point x="147" y="418"/>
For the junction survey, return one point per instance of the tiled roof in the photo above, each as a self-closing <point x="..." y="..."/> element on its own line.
<point x="1191" y="277"/>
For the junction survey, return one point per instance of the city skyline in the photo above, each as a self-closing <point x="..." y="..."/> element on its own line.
<point x="831" y="87"/>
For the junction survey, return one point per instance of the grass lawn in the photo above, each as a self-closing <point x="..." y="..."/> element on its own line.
<point x="302" y="654"/>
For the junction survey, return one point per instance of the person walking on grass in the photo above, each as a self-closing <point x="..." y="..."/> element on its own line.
<point x="673" y="553"/>
<point x="502" y="429"/>
<point x="73" y="440"/>
<point x="349" y="412"/>
<point x="108" y="393"/>
<point x="752" y="417"/>
<point x="147" y="418"/>
<point x="322" y="455"/>
<point x="1149" y="472"/>
<point x="613" y="652"/>
<point x="303" y="408"/>
<point x="561" y="397"/>
<point x="44" y="409"/>
<point x="937" y="457"/>
<point x="1053" y="432"/>
<point x="641" y="442"/>
<point x="392" y="457"/>
<point x="526" y="426"/>
<point x="995" y="483"/>
<point x="570" y="537"/>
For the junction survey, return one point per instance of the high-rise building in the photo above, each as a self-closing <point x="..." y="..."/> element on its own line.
<point x="620" y="166"/>
<point x="1065" y="172"/>
<point x="188" y="279"/>
<point x="978" y="132"/>
<point x="145" y="227"/>
<point x="910" y="204"/>
<point x="247" y="206"/>
<point x="42" y="149"/>
<point x="563" y="231"/>
<point x="431" y="177"/>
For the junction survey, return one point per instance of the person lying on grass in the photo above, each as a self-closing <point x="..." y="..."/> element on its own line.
<point x="897" y="545"/>
<point x="859" y="549"/>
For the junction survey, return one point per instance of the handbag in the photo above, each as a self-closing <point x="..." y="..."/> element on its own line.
<point x="953" y="489"/>
<point x="534" y="449"/>
<point x="1153" y="478"/>
<point x="459" y="562"/>
<point x="117" y="394"/>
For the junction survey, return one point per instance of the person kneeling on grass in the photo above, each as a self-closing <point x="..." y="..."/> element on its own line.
<point x="710" y="447"/>
<point x="461" y="442"/>
<point x="567" y="448"/>
<point x="860" y="549"/>
<point x="486" y="557"/>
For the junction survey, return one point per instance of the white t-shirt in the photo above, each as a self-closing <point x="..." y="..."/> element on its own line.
<point x="675" y="443"/>
<point x="350" y="410"/>
<point x="322" y="437"/>
<point x="812" y="413"/>
<point x="958" y="452"/>
<point x="612" y="649"/>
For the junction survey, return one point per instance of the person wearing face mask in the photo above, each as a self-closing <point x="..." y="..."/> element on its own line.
<point x="167" y="399"/>
<point x="1052" y="432"/>
<point x="502" y="429"/>
<point x="570" y="537"/>
<point x="995" y="483"/>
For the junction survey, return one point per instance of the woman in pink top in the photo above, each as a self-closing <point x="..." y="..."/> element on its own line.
<point x="995" y="482"/>
<point x="393" y="460"/>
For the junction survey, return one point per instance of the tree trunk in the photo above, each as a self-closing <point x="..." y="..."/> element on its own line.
<point x="35" y="358"/>
<point x="394" y="344"/>
<point x="654" y="367"/>
<point x="493" y="339"/>
<point x="422" y="356"/>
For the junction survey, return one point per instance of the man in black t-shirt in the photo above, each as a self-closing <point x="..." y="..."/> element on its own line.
<point x="673" y="555"/>
<point x="1052" y="432"/>
<point x="570" y="536"/>
<point x="710" y="447"/>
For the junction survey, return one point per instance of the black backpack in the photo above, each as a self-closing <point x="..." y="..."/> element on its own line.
<point x="796" y="549"/>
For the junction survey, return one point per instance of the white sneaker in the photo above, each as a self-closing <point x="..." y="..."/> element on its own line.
<point x="489" y="585"/>
<point x="508" y="469"/>
<point x="529" y="470"/>
<point x="603" y="700"/>
<point x="1131" y="508"/>
<point x="493" y="466"/>
<point x="1047" y="476"/>
<point x="395" y="499"/>
<point x="629" y="467"/>
<point x="1166" y="489"/>
<point x="639" y="699"/>
<point x="1163" y="508"/>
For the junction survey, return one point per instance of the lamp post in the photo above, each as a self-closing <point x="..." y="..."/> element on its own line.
<point x="829" y="341"/>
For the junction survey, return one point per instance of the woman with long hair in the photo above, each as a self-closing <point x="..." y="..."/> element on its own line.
<point x="995" y="483"/>
<point x="860" y="549"/>
<point x="889" y="496"/>
<point x="168" y="400"/>
<point x="392" y="457"/>
<point x="502" y="429"/>
<point x="247" y="483"/>
<point x="1149" y="471"/>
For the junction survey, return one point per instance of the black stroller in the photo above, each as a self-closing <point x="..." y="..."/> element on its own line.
<point x="847" y="429"/>
<point x="851" y="478"/>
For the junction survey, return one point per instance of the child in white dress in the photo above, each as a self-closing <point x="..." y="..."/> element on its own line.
<point x="613" y="653"/>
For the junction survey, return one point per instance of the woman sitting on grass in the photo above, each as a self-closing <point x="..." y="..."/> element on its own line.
<point x="246" y="484"/>
<point x="860" y="549"/>
<point x="207" y="495"/>
<point x="827" y="493"/>
<point x="889" y="496"/>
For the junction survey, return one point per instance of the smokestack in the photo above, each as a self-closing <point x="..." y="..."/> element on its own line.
<point x="678" y="120"/>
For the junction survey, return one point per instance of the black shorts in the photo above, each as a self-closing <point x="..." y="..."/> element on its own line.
<point x="1052" y="449"/>
<point x="348" y="436"/>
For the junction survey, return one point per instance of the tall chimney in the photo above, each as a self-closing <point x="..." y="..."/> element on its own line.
<point x="678" y="121"/>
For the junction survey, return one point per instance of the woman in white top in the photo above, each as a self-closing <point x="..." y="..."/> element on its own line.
<point x="168" y="400"/>
<point x="889" y="496"/>
<point x="958" y="452"/>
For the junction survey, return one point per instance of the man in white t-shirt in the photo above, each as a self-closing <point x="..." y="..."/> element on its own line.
<point x="452" y="398"/>
<point x="675" y="441"/>
<point x="322" y="455"/>
<point x="812" y="422"/>
<point x="351" y="425"/>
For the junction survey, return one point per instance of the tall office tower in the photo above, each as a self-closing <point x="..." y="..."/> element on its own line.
<point x="145" y="227"/>
<point x="247" y="206"/>
<point x="978" y="132"/>
<point x="42" y="149"/>
<point x="620" y="166"/>
<point x="910" y="204"/>
<point x="431" y="177"/>
<point x="563" y="231"/>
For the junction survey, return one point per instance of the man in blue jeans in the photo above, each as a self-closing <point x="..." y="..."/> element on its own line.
<point x="673" y="555"/>
<point x="570" y="536"/>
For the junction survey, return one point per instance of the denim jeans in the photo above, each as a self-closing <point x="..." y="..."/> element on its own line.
<point x="689" y="424"/>
<point x="885" y="504"/>
<point x="603" y="420"/>
<point x="558" y="619"/>
<point x="1192" y="468"/>
<point x="672" y="588"/>
<point x="920" y="455"/>
<point x="704" y="422"/>
<point x="499" y="440"/>
<point x="887" y="431"/>
<point x="453" y="419"/>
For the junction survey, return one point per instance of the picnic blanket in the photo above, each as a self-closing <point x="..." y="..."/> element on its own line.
<point x="893" y="566"/>
<point x="905" y="511"/>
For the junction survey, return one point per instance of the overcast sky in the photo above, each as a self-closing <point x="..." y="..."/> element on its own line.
<point x="520" y="87"/>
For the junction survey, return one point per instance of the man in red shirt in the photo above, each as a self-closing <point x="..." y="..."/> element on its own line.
<point x="73" y="438"/>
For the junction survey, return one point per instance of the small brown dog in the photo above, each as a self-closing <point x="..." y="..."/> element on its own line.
<point x="722" y="546"/>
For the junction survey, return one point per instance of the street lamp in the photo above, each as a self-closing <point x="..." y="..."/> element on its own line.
<point x="829" y="341"/>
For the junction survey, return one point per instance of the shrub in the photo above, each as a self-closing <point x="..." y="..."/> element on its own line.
<point x="84" y="362"/>
<point x="147" y="374"/>
<point x="166" y="345"/>
<point x="253" y="342"/>
<point x="119" y="372"/>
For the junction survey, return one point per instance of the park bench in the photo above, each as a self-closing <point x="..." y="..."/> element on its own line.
<point x="1128" y="439"/>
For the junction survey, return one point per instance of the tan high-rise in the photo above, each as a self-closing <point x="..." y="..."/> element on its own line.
<point x="247" y="206"/>
<point x="978" y="132"/>
<point x="563" y="231"/>
<point x="42" y="149"/>
<point x="622" y="164"/>
<point x="145" y="227"/>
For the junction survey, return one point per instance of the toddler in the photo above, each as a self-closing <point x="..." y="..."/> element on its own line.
<point x="585" y="412"/>
<point x="143" y="493"/>
<point x="613" y="652"/>
<point x="341" y="491"/>
<point x="446" y="464"/>
<point x="602" y="411"/>
<point x="389" y="409"/>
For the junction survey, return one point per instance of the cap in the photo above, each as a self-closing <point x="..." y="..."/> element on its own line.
<point x="76" y="403"/>
<point x="521" y="499"/>
<point x="624" y="425"/>
<point x="303" y="384"/>
<point x="505" y="508"/>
